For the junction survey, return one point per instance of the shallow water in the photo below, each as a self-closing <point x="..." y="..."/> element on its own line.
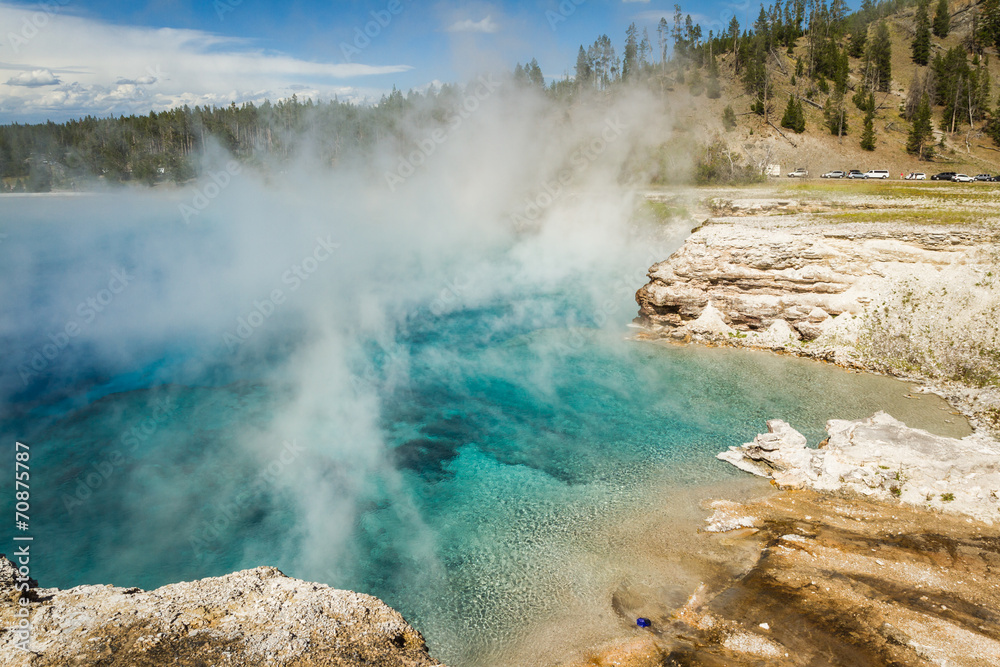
<point x="483" y="462"/>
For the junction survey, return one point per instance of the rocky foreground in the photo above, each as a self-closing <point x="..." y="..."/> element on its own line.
<point x="839" y="581"/>
<point x="918" y="301"/>
<point x="882" y="549"/>
<point x="253" y="617"/>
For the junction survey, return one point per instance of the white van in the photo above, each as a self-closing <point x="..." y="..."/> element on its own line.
<point x="877" y="173"/>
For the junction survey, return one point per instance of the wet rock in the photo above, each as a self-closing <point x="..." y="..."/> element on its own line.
<point x="881" y="457"/>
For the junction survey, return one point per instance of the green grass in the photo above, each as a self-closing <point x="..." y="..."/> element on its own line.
<point x="912" y="216"/>
<point x="895" y="188"/>
<point x="661" y="211"/>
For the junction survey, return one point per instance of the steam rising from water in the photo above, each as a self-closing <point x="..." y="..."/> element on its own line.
<point x="413" y="385"/>
<point x="227" y="353"/>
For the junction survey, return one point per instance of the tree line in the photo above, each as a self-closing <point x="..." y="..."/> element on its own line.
<point x="826" y="36"/>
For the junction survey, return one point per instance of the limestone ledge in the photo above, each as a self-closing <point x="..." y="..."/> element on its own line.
<point x="918" y="302"/>
<point x="252" y="617"/>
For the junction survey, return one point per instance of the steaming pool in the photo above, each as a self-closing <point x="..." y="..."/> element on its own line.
<point x="489" y="457"/>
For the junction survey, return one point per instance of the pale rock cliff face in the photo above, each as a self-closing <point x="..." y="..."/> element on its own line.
<point x="252" y="617"/>
<point x="911" y="300"/>
<point x="882" y="458"/>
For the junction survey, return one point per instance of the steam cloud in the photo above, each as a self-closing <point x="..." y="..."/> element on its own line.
<point x="292" y="276"/>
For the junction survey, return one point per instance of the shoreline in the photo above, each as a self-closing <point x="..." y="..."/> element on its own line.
<point x="959" y="396"/>
<point x="846" y="573"/>
<point x="915" y="302"/>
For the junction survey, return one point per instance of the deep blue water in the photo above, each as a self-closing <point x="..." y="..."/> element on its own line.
<point x="449" y="457"/>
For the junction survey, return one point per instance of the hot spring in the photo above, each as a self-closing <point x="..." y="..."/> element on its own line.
<point x="410" y="399"/>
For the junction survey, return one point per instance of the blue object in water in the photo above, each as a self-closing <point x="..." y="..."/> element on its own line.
<point x="643" y="622"/>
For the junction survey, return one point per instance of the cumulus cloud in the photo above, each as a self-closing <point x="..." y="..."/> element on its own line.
<point x="119" y="69"/>
<point x="34" y="79"/>
<point x="487" y="25"/>
<point x="141" y="81"/>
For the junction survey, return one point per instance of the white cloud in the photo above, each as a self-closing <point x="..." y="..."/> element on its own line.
<point x="74" y="65"/>
<point x="487" y="25"/>
<point x="33" y="79"/>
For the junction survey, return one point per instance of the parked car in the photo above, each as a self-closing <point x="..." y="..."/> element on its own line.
<point x="943" y="176"/>
<point x="916" y="176"/>
<point x="877" y="173"/>
<point x="833" y="174"/>
<point x="962" y="178"/>
<point x="984" y="178"/>
<point x="854" y="173"/>
<point x="800" y="172"/>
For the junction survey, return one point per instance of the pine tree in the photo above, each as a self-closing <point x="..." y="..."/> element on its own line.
<point x="835" y="116"/>
<point x="880" y="55"/>
<point x="645" y="50"/>
<point x="584" y="74"/>
<point x="989" y="26"/>
<point x="713" y="89"/>
<point x="921" y="130"/>
<point x="859" y="39"/>
<point x="993" y="127"/>
<point x="757" y="77"/>
<point x="921" y="45"/>
<point x="868" y="134"/>
<point x="790" y="118"/>
<point x="630" y="58"/>
<point x="841" y="74"/>
<point x="913" y="94"/>
<point x="728" y="118"/>
<point x="534" y="73"/>
<point x="984" y="87"/>
<point x="942" y="19"/>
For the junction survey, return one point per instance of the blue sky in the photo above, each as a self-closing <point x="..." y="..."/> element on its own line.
<point x="68" y="58"/>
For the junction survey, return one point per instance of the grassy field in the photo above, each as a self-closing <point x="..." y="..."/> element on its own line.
<point x="943" y="190"/>
<point x="914" y="216"/>
<point x="838" y="201"/>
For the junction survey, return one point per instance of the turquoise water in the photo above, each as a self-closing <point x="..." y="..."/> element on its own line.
<point x="456" y="449"/>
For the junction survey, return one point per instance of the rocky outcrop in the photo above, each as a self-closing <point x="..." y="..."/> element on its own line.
<point x="828" y="580"/>
<point x="911" y="300"/>
<point x="882" y="458"/>
<point x="805" y="277"/>
<point x="847" y="582"/>
<point x="253" y="617"/>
